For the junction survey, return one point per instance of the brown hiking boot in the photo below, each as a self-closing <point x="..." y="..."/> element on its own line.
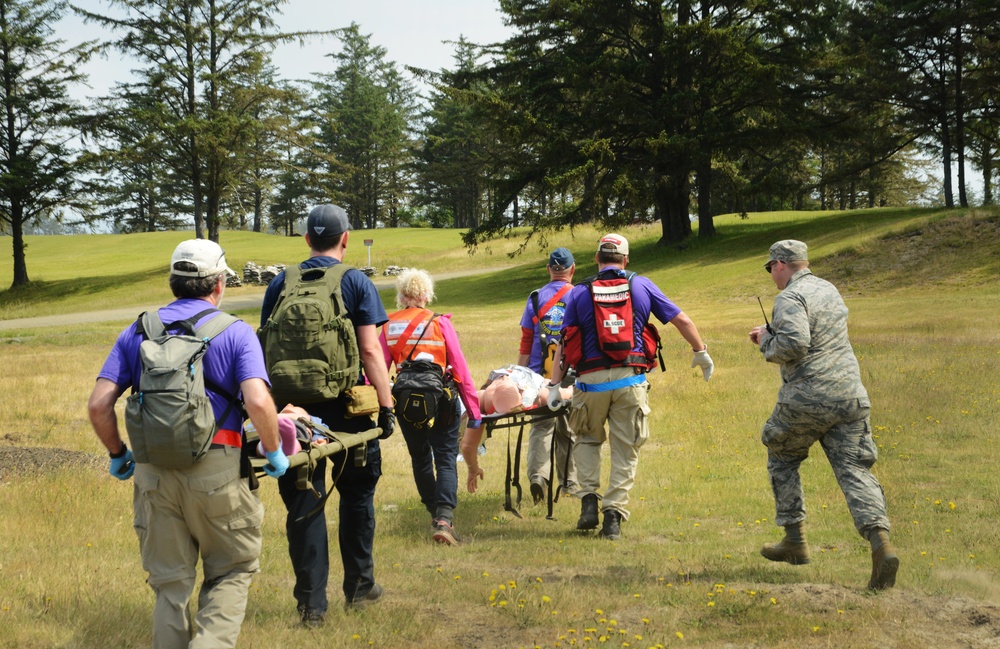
<point x="885" y="563"/>
<point x="791" y="552"/>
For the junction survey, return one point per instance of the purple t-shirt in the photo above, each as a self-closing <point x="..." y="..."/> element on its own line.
<point x="232" y="357"/>
<point x="552" y="322"/>
<point x="646" y="299"/>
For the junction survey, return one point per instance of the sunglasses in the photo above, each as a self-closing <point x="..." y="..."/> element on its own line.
<point x="769" y="265"/>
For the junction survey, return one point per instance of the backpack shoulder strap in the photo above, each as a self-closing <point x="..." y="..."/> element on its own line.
<point x="215" y="326"/>
<point x="539" y="315"/>
<point x="188" y="325"/>
<point x="148" y="325"/>
<point x="534" y="306"/>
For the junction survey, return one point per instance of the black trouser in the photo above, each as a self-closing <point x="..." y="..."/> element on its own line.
<point x="308" y="546"/>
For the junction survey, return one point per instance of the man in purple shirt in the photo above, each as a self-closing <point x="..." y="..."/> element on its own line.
<point x="612" y="388"/>
<point x="207" y="508"/>
<point x="541" y="324"/>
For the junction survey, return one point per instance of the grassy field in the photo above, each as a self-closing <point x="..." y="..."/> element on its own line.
<point x="923" y="291"/>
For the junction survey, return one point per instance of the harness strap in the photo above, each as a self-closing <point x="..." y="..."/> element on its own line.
<point x="552" y="469"/>
<point x="539" y="314"/>
<point x="512" y="478"/>
<point x="409" y="330"/>
<point x="635" y="379"/>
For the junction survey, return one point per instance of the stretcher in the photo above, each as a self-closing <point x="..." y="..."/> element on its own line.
<point x="312" y="452"/>
<point x="519" y="420"/>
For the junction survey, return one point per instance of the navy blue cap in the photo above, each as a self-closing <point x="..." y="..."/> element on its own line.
<point x="561" y="259"/>
<point x="326" y="221"/>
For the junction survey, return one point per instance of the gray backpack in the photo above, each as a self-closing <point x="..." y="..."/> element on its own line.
<point x="169" y="419"/>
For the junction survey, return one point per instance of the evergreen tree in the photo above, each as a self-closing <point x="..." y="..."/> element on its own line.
<point x="196" y="58"/>
<point x="363" y="114"/>
<point x="39" y="166"/>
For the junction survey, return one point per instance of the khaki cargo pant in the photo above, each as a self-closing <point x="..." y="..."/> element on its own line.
<point x="541" y="437"/>
<point x="205" y="509"/>
<point x="626" y="412"/>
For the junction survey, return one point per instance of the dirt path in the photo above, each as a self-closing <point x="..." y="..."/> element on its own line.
<point x="229" y="304"/>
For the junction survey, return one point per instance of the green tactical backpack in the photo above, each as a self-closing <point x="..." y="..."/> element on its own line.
<point x="169" y="419"/>
<point x="309" y="342"/>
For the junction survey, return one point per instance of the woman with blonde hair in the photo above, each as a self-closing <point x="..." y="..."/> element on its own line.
<point x="415" y="333"/>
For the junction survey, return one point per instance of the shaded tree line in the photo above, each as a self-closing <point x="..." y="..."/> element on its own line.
<point x="590" y="111"/>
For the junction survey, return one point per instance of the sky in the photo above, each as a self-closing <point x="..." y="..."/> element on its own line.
<point x="414" y="33"/>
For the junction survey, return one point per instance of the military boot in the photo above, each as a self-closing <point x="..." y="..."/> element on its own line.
<point x="588" y="513"/>
<point x="612" y="529"/>
<point x="885" y="563"/>
<point x="792" y="549"/>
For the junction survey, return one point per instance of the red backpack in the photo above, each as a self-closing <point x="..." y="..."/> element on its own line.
<point x="613" y="320"/>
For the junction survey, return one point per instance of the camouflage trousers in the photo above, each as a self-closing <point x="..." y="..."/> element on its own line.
<point x="843" y="429"/>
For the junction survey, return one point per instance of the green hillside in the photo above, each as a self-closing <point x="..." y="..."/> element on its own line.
<point x="95" y="272"/>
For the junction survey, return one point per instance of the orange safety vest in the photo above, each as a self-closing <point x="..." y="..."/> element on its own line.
<point x="431" y="343"/>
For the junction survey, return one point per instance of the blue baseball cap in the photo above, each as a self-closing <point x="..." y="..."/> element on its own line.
<point x="561" y="259"/>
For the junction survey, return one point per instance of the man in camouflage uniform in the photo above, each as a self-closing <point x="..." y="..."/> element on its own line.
<point x="821" y="398"/>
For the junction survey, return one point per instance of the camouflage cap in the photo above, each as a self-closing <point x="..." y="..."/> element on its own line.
<point x="789" y="250"/>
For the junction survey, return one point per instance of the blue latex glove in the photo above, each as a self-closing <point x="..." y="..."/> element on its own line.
<point x="277" y="463"/>
<point x="123" y="466"/>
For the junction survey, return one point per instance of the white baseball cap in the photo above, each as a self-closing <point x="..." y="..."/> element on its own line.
<point x="207" y="257"/>
<point x="614" y="243"/>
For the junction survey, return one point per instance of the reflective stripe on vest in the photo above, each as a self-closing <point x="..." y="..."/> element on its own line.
<point x="432" y="342"/>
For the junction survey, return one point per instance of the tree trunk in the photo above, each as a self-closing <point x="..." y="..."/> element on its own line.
<point x="960" y="106"/>
<point x="671" y="196"/>
<point x="706" y="226"/>
<point x="987" y="165"/>
<point x="17" y="233"/>
<point x="258" y="209"/>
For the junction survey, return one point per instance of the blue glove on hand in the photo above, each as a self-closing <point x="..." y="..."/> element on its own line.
<point x="122" y="465"/>
<point x="277" y="463"/>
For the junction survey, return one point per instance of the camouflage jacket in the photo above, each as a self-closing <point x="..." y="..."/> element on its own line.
<point x="810" y="343"/>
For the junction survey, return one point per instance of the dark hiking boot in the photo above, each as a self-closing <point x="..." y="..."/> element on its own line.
<point x="795" y="553"/>
<point x="538" y="492"/>
<point x="365" y="600"/>
<point x="612" y="529"/>
<point x="885" y="563"/>
<point x="588" y="513"/>
<point x="311" y="617"/>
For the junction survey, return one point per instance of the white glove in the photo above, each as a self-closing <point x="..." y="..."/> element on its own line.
<point x="704" y="361"/>
<point x="555" y="399"/>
